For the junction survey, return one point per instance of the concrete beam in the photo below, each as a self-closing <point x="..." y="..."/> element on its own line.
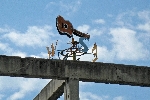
<point x="30" y="67"/>
<point x="84" y="71"/>
<point x="52" y="91"/>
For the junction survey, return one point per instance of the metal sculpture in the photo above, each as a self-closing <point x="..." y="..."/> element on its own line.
<point x="65" y="27"/>
<point x="52" y="52"/>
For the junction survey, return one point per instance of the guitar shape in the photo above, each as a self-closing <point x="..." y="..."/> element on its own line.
<point x="65" y="27"/>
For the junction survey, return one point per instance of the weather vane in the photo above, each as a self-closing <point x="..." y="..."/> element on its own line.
<point x="65" y="27"/>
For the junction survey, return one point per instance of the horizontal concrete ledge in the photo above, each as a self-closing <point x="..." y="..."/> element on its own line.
<point x="52" y="91"/>
<point x="85" y="71"/>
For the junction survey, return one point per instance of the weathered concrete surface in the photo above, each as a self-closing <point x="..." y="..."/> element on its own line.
<point x="31" y="67"/>
<point x="85" y="71"/>
<point x="71" y="89"/>
<point x="52" y="91"/>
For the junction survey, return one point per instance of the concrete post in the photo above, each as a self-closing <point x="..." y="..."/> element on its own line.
<point x="71" y="89"/>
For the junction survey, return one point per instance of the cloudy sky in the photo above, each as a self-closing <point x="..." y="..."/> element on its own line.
<point x="121" y="29"/>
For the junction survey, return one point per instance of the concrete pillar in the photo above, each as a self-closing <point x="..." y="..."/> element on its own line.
<point x="71" y="89"/>
<point x="52" y="91"/>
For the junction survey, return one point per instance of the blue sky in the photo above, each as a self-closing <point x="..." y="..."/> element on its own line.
<point x="121" y="29"/>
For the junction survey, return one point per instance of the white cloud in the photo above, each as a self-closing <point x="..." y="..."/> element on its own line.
<point x="125" y="19"/>
<point x="100" y="21"/>
<point x="6" y="29"/>
<point x="3" y="30"/>
<point x="70" y="7"/>
<point x="35" y="56"/>
<point x="144" y="27"/>
<point x="64" y="6"/>
<point x="5" y="47"/>
<point x="119" y="19"/>
<point x="97" y="32"/>
<point x="19" y="53"/>
<point x="10" y="51"/>
<point x="118" y="98"/>
<point x="138" y="35"/>
<point x="83" y="85"/>
<point x="103" y="55"/>
<point x="89" y="96"/>
<point x="41" y="55"/>
<point x="126" y="45"/>
<point x="145" y="15"/>
<point x="34" y="36"/>
<point x="21" y="86"/>
<point x="7" y="83"/>
<point x="92" y="32"/>
<point x="83" y="28"/>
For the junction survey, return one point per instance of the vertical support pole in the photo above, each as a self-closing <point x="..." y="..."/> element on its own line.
<point x="74" y="56"/>
<point x="71" y="89"/>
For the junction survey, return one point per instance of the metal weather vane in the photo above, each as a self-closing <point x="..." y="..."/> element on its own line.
<point x="65" y="27"/>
